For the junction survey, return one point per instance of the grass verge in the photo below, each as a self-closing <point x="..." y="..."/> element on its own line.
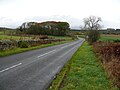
<point x="82" y="72"/>
<point x="20" y="50"/>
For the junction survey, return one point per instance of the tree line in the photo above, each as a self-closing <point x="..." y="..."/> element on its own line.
<point x="45" y="28"/>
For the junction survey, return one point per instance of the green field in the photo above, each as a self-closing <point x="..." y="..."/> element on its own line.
<point x="83" y="72"/>
<point x="105" y="37"/>
<point x="6" y="37"/>
<point x="109" y="37"/>
<point x="7" y="31"/>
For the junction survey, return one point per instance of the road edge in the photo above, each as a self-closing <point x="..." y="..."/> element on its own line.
<point x="61" y="73"/>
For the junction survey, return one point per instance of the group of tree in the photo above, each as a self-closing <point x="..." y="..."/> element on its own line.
<point x="45" y="28"/>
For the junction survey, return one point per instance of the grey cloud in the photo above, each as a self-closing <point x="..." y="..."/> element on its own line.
<point x="74" y="22"/>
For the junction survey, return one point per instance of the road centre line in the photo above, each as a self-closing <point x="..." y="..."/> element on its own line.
<point x="46" y="53"/>
<point x="10" y="67"/>
<point x="68" y="45"/>
<point x="67" y="52"/>
<point x="55" y="50"/>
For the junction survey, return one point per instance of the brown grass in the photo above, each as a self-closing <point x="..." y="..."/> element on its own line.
<point x="110" y="54"/>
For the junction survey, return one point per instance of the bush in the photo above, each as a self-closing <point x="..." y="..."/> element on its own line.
<point x="23" y="44"/>
<point x="116" y="41"/>
<point x="92" y="36"/>
<point x="5" y="45"/>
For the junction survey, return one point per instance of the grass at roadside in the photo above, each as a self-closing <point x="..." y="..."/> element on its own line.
<point x="83" y="72"/>
<point x="20" y="50"/>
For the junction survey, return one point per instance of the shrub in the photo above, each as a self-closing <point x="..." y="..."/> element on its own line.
<point x="23" y="44"/>
<point x="116" y="41"/>
<point x="92" y="36"/>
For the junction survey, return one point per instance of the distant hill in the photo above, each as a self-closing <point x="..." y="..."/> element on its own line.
<point x="4" y="28"/>
<point x="75" y="29"/>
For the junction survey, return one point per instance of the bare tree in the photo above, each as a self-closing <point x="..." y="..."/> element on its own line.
<point x="92" y="23"/>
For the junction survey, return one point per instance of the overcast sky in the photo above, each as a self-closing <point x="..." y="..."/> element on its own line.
<point x="14" y="12"/>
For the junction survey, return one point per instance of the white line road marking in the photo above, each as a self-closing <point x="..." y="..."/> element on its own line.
<point x="10" y="67"/>
<point x="67" y="52"/>
<point x="46" y="53"/>
<point x="41" y="56"/>
<point x="69" y="45"/>
<point x="56" y="50"/>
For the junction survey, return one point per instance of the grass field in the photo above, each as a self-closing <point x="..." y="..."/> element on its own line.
<point x="104" y="37"/>
<point x="7" y="31"/>
<point x="6" y="37"/>
<point x="83" y="72"/>
<point x="109" y="37"/>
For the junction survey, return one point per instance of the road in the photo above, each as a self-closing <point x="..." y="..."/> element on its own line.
<point x="35" y="70"/>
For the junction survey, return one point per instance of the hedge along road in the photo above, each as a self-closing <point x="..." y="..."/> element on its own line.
<point x="35" y="70"/>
